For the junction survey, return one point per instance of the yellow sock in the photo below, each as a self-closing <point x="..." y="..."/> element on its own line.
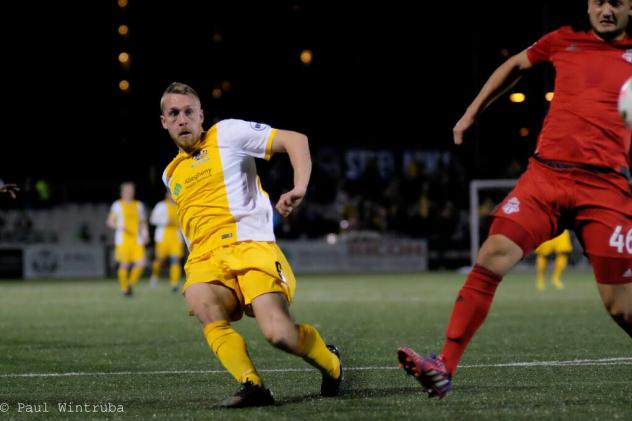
<point x="134" y="275"/>
<point x="122" y="278"/>
<point x="174" y="274"/>
<point x="313" y="350"/>
<point x="155" y="269"/>
<point x="540" y="264"/>
<point x="560" y="264"/>
<point x="230" y="349"/>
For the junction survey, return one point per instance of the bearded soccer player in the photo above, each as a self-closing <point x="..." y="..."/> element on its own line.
<point x="128" y="218"/>
<point x="235" y="265"/>
<point x="578" y="179"/>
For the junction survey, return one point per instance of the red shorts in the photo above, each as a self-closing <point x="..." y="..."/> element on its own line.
<point x="598" y="207"/>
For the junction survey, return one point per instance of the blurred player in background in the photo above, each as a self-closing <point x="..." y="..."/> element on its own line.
<point x="562" y="247"/>
<point x="577" y="179"/>
<point x="235" y="265"/>
<point x="128" y="218"/>
<point x="168" y="241"/>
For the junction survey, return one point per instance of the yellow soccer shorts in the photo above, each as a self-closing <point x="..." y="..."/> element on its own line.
<point x="249" y="268"/>
<point x="128" y="252"/>
<point x="169" y="248"/>
<point x="560" y="244"/>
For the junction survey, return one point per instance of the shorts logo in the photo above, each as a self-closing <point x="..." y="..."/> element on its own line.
<point x="627" y="56"/>
<point x="628" y="273"/>
<point x="280" y="272"/>
<point x="512" y="206"/>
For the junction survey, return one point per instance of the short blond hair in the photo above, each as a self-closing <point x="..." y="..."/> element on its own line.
<point x="177" y="88"/>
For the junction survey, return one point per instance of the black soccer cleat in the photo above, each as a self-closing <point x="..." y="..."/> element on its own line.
<point x="330" y="386"/>
<point x="249" y="394"/>
<point x="129" y="292"/>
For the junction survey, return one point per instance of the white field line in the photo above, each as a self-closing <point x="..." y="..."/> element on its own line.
<point x="593" y="362"/>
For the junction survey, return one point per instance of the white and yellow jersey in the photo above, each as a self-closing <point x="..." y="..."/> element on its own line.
<point x="165" y="217"/>
<point x="129" y="216"/>
<point x="219" y="196"/>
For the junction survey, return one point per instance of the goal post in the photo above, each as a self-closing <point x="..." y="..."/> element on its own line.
<point x="476" y="186"/>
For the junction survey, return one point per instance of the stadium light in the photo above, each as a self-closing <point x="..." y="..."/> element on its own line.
<point x="549" y="96"/>
<point x="123" y="30"/>
<point x="307" y="57"/>
<point x="124" y="85"/>
<point x="517" y="97"/>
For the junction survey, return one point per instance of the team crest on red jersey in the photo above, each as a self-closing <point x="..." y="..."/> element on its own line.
<point x="627" y="56"/>
<point x="512" y="206"/>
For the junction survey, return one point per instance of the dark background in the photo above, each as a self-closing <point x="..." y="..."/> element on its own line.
<point x="385" y="75"/>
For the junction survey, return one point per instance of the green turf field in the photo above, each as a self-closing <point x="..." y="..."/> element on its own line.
<point x="83" y="343"/>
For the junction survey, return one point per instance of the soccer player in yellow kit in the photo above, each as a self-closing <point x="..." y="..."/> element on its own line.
<point x="127" y="217"/>
<point x="562" y="247"/>
<point x="234" y="265"/>
<point x="169" y="243"/>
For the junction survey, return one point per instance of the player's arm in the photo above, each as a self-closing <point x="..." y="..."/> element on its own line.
<point x="111" y="220"/>
<point x="297" y="147"/>
<point x="503" y="78"/>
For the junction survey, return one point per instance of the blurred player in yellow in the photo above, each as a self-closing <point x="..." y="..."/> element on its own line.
<point x="128" y="218"/>
<point x="235" y="265"/>
<point x="168" y="241"/>
<point x="562" y="247"/>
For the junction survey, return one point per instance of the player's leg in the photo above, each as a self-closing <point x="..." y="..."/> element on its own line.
<point x="618" y="301"/>
<point x="561" y="261"/>
<point x="122" y="272"/>
<point x="268" y="284"/>
<point x="175" y="272"/>
<point x="272" y="314"/>
<point x="606" y="234"/>
<point x="123" y="276"/>
<point x="139" y="264"/>
<point x="213" y="305"/>
<point x="497" y="256"/>
<point x="156" y="265"/>
<point x="541" y="261"/>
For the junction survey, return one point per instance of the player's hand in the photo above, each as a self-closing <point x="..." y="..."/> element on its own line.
<point x="461" y="127"/>
<point x="289" y="201"/>
<point x="11" y="189"/>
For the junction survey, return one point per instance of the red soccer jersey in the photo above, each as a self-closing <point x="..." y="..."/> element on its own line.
<point x="583" y="125"/>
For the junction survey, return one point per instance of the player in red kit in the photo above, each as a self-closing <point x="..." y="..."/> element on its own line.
<point x="578" y="178"/>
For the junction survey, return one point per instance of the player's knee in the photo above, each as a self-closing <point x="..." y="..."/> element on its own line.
<point x="499" y="254"/>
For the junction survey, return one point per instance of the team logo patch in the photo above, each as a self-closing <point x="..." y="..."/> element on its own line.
<point x="512" y="206"/>
<point x="627" y="56"/>
<point x="258" y="126"/>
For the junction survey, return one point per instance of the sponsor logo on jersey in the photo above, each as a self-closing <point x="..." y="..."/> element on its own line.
<point x="177" y="189"/>
<point x="512" y="206"/>
<point x="196" y="177"/>
<point x="627" y="56"/>
<point x="258" y="126"/>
